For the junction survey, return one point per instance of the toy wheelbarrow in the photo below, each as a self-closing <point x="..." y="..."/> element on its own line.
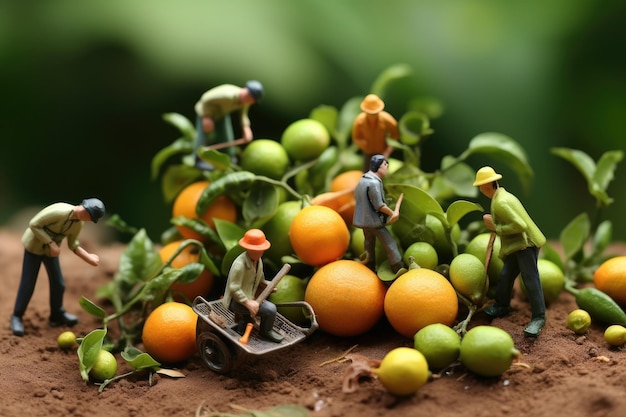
<point x="222" y="348"/>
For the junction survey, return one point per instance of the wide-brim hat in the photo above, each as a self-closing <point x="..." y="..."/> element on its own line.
<point x="486" y="175"/>
<point x="254" y="239"/>
<point x="372" y="104"/>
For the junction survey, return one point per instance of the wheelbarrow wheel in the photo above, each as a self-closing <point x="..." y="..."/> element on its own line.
<point x="215" y="354"/>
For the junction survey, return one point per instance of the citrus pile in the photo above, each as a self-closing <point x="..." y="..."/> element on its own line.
<point x="347" y="298"/>
<point x="319" y="235"/>
<point x="201" y="285"/>
<point x="169" y="333"/>
<point x="222" y="208"/>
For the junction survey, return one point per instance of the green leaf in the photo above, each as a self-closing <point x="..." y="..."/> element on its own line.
<point x="120" y="225"/>
<point x="583" y="162"/>
<point x="199" y="226"/>
<point x="604" y="174"/>
<point x="260" y="204"/>
<point x="139" y="360"/>
<point x="220" y="160"/>
<point x="601" y="238"/>
<point x="183" y="124"/>
<point x="504" y="149"/>
<point x="417" y="202"/>
<point x="234" y="182"/>
<point x="91" y="308"/>
<point x="140" y="261"/>
<point x="229" y="257"/>
<point x="326" y="115"/>
<point x="458" y="176"/>
<point x="319" y="175"/>
<point x="458" y="209"/>
<point x="574" y="235"/>
<point x="551" y="254"/>
<point x="389" y="76"/>
<point x="414" y="126"/>
<point x="88" y="351"/>
<point x="177" y="147"/>
<point x="176" y="178"/>
<point x="229" y="233"/>
<point x="349" y="111"/>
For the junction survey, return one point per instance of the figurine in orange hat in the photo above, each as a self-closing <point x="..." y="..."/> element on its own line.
<point x="244" y="278"/>
<point x="371" y="129"/>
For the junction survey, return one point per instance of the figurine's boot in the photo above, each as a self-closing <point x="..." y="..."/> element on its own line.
<point x="496" y="310"/>
<point x="61" y="318"/>
<point x="16" y="326"/>
<point x="272" y="336"/>
<point x="535" y="326"/>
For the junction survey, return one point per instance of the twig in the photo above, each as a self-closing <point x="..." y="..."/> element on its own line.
<point x="339" y="358"/>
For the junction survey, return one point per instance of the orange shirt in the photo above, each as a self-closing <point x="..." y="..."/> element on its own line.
<point x="369" y="132"/>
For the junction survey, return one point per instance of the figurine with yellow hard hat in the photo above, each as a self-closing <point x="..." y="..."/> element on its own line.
<point x="520" y="242"/>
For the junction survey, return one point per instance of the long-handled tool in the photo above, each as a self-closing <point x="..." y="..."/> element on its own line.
<point x="264" y="294"/>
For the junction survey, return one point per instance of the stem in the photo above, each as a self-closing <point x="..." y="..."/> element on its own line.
<point x="115" y="378"/>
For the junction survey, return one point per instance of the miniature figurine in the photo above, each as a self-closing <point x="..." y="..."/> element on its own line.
<point x="244" y="278"/>
<point x="372" y="214"/>
<point x="41" y="241"/>
<point x="520" y="242"/>
<point x="213" y="124"/>
<point x="371" y="129"/>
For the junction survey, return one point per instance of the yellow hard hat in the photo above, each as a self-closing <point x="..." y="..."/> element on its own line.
<point x="486" y="175"/>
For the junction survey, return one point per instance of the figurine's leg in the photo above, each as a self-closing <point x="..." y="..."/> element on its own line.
<point x="504" y="289"/>
<point x="391" y="247"/>
<point x="201" y="140"/>
<point x="527" y="260"/>
<point x="58" y="316"/>
<point x="244" y="316"/>
<point x="267" y="313"/>
<point x="30" y="269"/>
<point x="370" y="247"/>
<point x="224" y="133"/>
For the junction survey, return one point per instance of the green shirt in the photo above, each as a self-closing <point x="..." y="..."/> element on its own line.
<point x="220" y="101"/>
<point x="53" y="223"/>
<point x="243" y="279"/>
<point x="516" y="229"/>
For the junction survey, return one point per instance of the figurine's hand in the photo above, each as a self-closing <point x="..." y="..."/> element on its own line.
<point x="252" y="306"/>
<point x="394" y="217"/>
<point x="207" y="124"/>
<point x="489" y="222"/>
<point x="247" y="133"/>
<point x="55" y="250"/>
<point x="92" y="259"/>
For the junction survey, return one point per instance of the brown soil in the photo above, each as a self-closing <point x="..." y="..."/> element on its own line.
<point x="564" y="374"/>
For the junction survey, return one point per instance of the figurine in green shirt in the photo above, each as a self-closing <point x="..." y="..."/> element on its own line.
<point x="41" y="242"/>
<point x="213" y="123"/>
<point x="520" y="240"/>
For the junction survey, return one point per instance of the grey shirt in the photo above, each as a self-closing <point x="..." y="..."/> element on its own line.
<point x="370" y="197"/>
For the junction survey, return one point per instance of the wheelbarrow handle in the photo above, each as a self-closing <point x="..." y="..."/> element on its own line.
<point x="310" y="314"/>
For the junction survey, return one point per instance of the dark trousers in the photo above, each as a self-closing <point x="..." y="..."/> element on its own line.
<point x="267" y="313"/>
<point x="30" y="270"/>
<point x="390" y="245"/>
<point x="522" y="262"/>
<point x="223" y="132"/>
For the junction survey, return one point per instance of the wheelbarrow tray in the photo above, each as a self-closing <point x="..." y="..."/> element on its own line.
<point x="222" y="321"/>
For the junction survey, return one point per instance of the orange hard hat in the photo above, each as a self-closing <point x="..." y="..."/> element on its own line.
<point x="254" y="239"/>
<point x="372" y="104"/>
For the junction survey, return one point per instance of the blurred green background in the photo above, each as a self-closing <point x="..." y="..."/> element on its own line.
<point x="84" y="86"/>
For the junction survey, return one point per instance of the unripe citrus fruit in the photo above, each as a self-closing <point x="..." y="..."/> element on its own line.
<point x="487" y="351"/>
<point x="615" y="335"/>
<point x="418" y="298"/>
<point x="439" y="344"/>
<point x="403" y="371"/>
<point x="305" y="139"/>
<point x="265" y="157"/>
<point x="66" y="340"/>
<point x="578" y="321"/>
<point x="478" y="247"/>
<point x="222" y="208"/>
<point x="201" y="286"/>
<point x="104" y="368"/>
<point x="423" y="253"/>
<point x="277" y="230"/>
<point x="319" y="235"/>
<point x="467" y="275"/>
<point x="169" y="333"/>
<point x="610" y="278"/>
<point x="289" y="289"/>
<point x="347" y="298"/>
<point x="552" y="280"/>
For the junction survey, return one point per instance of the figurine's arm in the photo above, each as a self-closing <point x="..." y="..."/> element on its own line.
<point x="90" y="258"/>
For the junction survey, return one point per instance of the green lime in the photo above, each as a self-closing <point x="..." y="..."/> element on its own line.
<point x="66" y="340"/>
<point x="277" y="230"/>
<point x="423" y="253"/>
<point x="265" y="157"/>
<point x="357" y="242"/>
<point x="104" y="368"/>
<point x="552" y="280"/>
<point x="439" y="344"/>
<point x="615" y="335"/>
<point x="478" y="247"/>
<point x="403" y="371"/>
<point x="578" y="321"/>
<point x="487" y="351"/>
<point x="467" y="275"/>
<point x="440" y="242"/>
<point x="305" y="139"/>
<point x="290" y="289"/>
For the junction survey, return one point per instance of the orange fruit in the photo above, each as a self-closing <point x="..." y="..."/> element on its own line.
<point x="610" y="278"/>
<point x="169" y="333"/>
<point x="347" y="298"/>
<point x="185" y="205"/>
<point x="347" y="180"/>
<point x="201" y="286"/>
<point x="319" y="235"/>
<point x="418" y="298"/>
